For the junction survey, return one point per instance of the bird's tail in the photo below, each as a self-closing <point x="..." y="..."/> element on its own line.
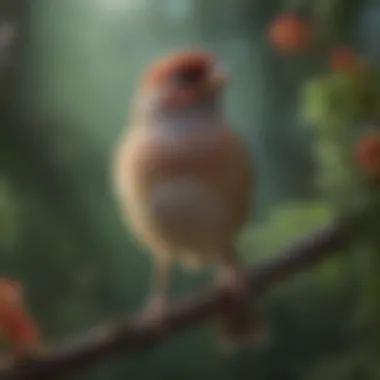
<point x="241" y="321"/>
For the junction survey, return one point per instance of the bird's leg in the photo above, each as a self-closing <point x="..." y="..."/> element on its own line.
<point x="231" y="275"/>
<point x="157" y="302"/>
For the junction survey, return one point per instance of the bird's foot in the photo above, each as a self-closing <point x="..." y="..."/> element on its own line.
<point x="154" y="313"/>
<point x="234" y="282"/>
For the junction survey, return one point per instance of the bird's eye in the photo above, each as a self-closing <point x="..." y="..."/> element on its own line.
<point x="190" y="76"/>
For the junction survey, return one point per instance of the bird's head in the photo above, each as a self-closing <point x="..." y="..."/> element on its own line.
<point x="180" y="84"/>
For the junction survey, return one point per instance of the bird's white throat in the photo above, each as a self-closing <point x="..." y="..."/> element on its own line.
<point x="195" y="119"/>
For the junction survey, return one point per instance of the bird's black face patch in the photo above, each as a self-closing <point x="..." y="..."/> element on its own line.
<point x="190" y="76"/>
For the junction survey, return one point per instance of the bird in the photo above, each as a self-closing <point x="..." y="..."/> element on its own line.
<point x="183" y="181"/>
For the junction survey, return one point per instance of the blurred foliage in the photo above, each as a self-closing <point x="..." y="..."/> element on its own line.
<point x="341" y="107"/>
<point x="8" y="219"/>
<point x="65" y="94"/>
<point x="287" y="223"/>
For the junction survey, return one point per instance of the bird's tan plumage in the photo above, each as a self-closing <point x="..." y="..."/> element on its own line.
<point x="184" y="186"/>
<point x="216" y="160"/>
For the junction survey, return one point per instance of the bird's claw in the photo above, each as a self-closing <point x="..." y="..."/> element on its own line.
<point x="154" y="313"/>
<point x="235" y="283"/>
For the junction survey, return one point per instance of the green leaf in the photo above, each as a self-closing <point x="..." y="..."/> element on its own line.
<point x="338" y="367"/>
<point x="8" y="217"/>
<point x="314" y="101"/>
<point x="285" y="224"/>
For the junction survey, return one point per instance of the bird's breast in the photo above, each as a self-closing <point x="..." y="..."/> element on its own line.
<point x="212" y="159"/>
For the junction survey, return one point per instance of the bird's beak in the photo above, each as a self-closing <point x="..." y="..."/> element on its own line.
<point x="217" y="79"/>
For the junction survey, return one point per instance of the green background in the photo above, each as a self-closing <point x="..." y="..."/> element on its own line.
<point x="61" y="234"/>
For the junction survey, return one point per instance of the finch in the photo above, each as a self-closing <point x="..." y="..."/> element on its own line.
<point x="184" y="182"/>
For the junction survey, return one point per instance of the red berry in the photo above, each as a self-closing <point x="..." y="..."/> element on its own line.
<point x="367" y="154"/>
<point x="290" y="34"/>
<point x="344" y="60"/>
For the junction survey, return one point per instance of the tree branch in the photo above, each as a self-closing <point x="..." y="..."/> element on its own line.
<point x="136" y="334"/>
